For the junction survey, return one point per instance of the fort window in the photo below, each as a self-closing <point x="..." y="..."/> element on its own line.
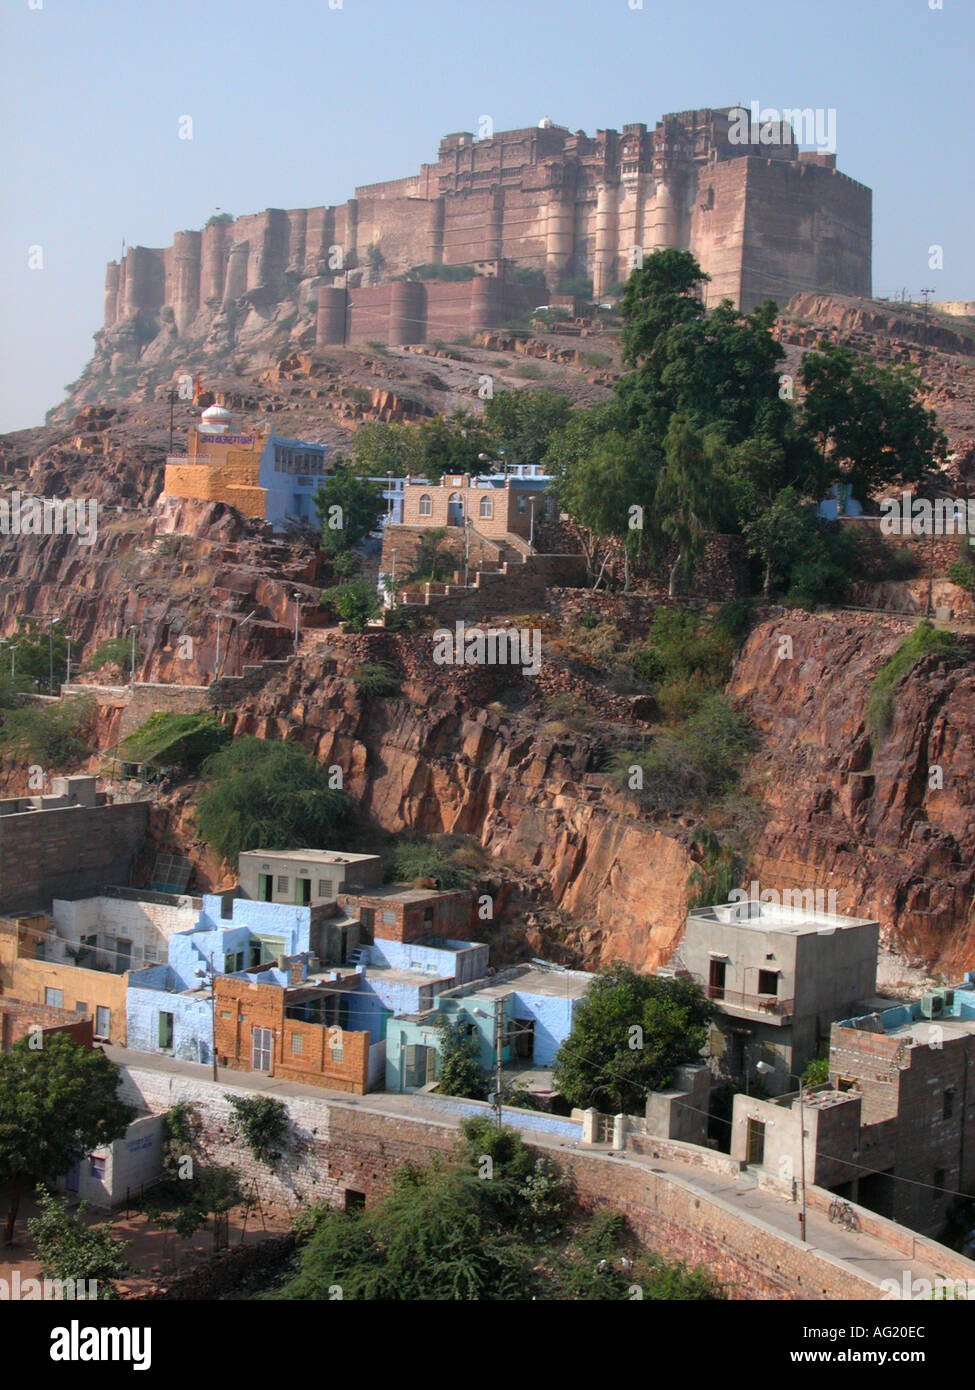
<point x="98" y="1166"/>
<point x="297" y="1044"/>
<point x="282" y="883"/>
<point x="354" y="1201"/>
<point x="487" y="507"/>
<point x="426" y="506"/>
<point x="768" y="982"/>
<point x="53" y="998"/>
<point x="948" y="1108"/>
<point x="80" y="1007"/>
<point x="522" y="503"/>
<point x="324" y="887"/>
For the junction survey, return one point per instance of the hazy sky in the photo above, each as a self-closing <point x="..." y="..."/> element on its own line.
<point x="294" y="102"/>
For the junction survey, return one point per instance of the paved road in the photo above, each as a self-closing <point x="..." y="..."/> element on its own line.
<point x="866" y="1254"/>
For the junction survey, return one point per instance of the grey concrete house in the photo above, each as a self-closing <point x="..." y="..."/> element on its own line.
<point x="305" y="877"/>
<point x="778" y="976"/>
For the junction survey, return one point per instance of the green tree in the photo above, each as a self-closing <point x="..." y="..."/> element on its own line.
<point x="348" y="510"/>
<point x="269" y="795"/>
<point x="386" y="450"/>
<point x="629" y="1034"/>
<point x="459" y="1072"/>
<point x="356" y="603"/>
<point x="69" y="1248"/>
<point x="685" y="497"/>
<point x="867" y="420"/>
<point x="522" y="423"/>
<point x="57" y="1103"/>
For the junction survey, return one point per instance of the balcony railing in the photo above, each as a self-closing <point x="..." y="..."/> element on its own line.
<point x="755" y="1003"/>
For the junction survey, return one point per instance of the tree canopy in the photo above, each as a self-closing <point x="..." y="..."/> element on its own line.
<point x="263" y="794"/>
<point x="57" y="1102"/>
<point x="629" y="1034"/>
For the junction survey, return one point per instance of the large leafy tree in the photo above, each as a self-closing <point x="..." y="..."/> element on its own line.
<point x="867" y="421"/>
<point x="686" y="499"/>
<point x="629" y="1034"/>
<point x="605" y="480"/>
<point x="268" y="795"/>
<point x="57" y="1102"/>
<point x="382" y="449"/>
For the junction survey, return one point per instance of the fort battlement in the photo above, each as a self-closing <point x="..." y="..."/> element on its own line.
<point x="765" y="221"/>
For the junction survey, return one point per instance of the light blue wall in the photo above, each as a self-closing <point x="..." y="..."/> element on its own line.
<point x="552" y="1016"/>
<point x="263" y="919"/>
<point x="285" y="495"/>
<point x="461" y="961"/>
<point x="532" y="1120"/>
<point x="146" y="998"/>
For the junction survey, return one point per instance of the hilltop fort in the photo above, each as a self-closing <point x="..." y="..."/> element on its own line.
<point x="528" y="214"/>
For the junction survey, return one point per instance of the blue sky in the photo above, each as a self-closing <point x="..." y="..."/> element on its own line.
<point x="294" y="102"/>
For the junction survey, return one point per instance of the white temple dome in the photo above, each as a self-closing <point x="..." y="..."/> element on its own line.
<point x="216" y="419"/>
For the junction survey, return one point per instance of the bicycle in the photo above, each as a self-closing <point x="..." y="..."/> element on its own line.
<point x="842" y="1214"/>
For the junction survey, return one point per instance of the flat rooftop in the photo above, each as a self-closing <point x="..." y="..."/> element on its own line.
<point x="308" y="856"/>
<point x="564" y="984"/>
<point x="775" y="917"/>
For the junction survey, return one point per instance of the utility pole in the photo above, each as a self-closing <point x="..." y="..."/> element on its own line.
<point x="172" y="401"/>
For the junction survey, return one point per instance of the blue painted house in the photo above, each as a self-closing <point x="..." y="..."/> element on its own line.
<point x="536" y="1008"/>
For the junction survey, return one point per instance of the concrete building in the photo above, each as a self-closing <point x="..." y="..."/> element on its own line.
<point x="117" y="1173"/>
<point x="536" y="1009"/>
<point x="307" y="877"/>
<point x="779" y="976"/>
<point x="69" y="844"/>
<point x="117" y="930"/>
<point x="894" y="1128"/>
<point x="262" y="474"/>
<point x="26" y="974"/>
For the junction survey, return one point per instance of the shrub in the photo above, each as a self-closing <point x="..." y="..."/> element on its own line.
<point x="115" y="652"/>
<point x="962" y="573"/>
<point x="440" y="859"/>
<point x="52" y="736"/>
<point x="459" y="1073"/>
<point x="262" y="1123"/>
<point x="376" y="679"/>
<point x="175" y="740"/>
<point x="698" y="761"/>
<point x="531" y="371"/>
<point x="356" y="602"/>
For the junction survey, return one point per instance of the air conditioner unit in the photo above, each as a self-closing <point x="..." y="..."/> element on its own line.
<point x="932" y="1005"/>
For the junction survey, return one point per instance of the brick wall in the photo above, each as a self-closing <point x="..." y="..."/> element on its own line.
<point x="19" y="1018"/>
<point x="70" y="853"/>
<point x="242" y="1006"/>
<point x="334" y="1149"/>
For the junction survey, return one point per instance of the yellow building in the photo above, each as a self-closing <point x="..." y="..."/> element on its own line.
<point x="262" y="474"/>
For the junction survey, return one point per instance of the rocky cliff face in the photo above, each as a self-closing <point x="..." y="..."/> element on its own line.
<point x="596" y="880"/>
<point x="889" y="824"/>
